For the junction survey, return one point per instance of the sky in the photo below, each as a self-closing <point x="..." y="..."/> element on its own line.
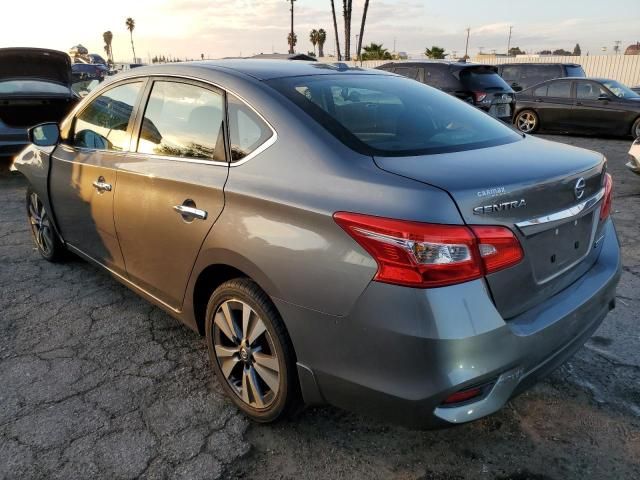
<point x="189" y="28"/>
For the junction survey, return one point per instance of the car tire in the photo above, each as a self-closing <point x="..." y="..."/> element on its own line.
<point x="44" y="234"/>
<point x="250" y="351"/>
<point x="635" y="130"/>
<point x="527" y="121"/>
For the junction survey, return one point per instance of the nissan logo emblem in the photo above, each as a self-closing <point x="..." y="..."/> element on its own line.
<point x="579" y="188"/>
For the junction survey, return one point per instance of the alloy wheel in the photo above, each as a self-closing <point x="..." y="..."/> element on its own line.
<point x="527" y="122"/>
<point x="40" y="225"/>
<point x="246" y="353"/>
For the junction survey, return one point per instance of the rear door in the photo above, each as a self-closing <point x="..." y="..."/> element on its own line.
<point x="170" y="190"/>
<point x="554" y="104"/>
<point x="83" y="178"/>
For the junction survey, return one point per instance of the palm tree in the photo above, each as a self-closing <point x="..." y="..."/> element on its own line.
<point x="346" y="13"/>
<point x="364" y="19"/>
<point x="292" y="40"/>
<point x="108" y="39"/>
<point x="375" y="51"/>
<point x="291" y="34"/>
<point x="131" y="24"/>
<point x="335" y="31"/>
<point x="313" y="38"/>
<point x="322" y="37"/>
<point x="435" y="52"/>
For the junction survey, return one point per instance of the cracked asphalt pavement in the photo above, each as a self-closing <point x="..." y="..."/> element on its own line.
<point x="97" y="383"/>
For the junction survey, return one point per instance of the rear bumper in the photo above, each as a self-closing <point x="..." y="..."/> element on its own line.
<point x="402" y="351"/>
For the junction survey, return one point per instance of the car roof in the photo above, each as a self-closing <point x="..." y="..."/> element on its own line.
<point x="539" y="64"/>
<point x="453" y="63"/>
<point x="260" y="69"/>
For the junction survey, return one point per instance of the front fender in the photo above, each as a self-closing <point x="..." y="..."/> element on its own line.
<point x="34" y="163"/>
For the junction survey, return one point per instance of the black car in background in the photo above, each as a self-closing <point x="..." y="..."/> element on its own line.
<point x="636" y="89"/>
<point x="35" y="87"/>
<point x="579" y="105"/>
<point x="478" y="84"/>
<point x="524" y="75"/>
<point x="88" y="71"/>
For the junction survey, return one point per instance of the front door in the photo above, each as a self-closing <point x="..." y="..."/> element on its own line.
<point x="170" y="191"/>
<point x="83" y="173"/>
<point x="595" y="115"/>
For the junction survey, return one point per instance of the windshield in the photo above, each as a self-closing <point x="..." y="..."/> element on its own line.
<point x="482" y="78"/>
<point x="393" y="116"/>
<point x="31" y="87"/>
<point x="620" y="90"/>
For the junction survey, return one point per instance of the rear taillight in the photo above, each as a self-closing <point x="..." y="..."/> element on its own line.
<point x="431" y="255"/>
<point x="605" y="210"/>
<point x="479" y="96"/>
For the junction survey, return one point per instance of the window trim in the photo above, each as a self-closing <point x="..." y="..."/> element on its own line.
<point x="173" y="77"/>
<point x="132" y="120"/>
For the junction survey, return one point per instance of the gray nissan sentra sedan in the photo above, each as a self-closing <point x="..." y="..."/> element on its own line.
<point x="338" y="235"/>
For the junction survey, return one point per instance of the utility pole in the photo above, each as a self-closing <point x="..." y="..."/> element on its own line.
<point x="394" y="45"/>
<point x="466" y="49"/>
<point x="617" y="47"/>
<point x="509" y="42"/>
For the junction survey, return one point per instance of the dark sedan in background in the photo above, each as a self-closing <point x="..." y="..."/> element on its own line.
<point x="585" y="105"/>
<point x="35" y="87"/>
<point x="479" y="85"/>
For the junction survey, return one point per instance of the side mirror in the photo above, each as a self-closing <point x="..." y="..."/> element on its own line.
<point x="45" y="134"/>
<point x="604" y="97"/>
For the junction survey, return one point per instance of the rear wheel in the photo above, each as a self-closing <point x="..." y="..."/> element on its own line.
<point x="635" y="130"/>
<point x="44" y="235"/>
<point x="527" y="121"/>
<point x="250" y="351"/>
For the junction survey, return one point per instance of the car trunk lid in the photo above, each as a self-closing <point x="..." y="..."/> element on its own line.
<point x="43" y="64"/>
<point x="548" y="194"/>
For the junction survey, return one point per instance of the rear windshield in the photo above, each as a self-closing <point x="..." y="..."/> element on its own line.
<point x="392" y="116"/>
<point x="482" y="78"/>
<point x="31" y="87"/>
<point x="575" y="71"/>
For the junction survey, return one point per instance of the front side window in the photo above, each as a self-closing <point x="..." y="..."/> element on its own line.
<point x="589" y="91"/>
<point x="183" y="120"/>
<point x="104" y="123"/>
<point x="247" y="131"/>
<point x="392" y="116"/>
<point x="560" y="90"/>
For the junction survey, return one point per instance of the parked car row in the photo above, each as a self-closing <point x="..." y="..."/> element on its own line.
<point x="556" y="97"/>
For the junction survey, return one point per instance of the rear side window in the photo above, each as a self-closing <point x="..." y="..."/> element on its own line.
<point x="247" y="131"/>
<point x="534" y="74"/>
<point x="103" y="124"/>
<point x="559" y="89"/>
<point x="183" y="120"/>
<point x="511" y="73"/>
<point x="392" y="116"/>
<point x="575" y="71"/>
<point x="409" y="72"/>
<point x="540" y="91"/>
<point x="440" y="77"/>
<point x="482" y="78"/>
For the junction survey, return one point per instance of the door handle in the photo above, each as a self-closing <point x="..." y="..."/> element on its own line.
<point x="189" y="212"/>
<point x="101" y="185"/>
<point x="538" y="100"/>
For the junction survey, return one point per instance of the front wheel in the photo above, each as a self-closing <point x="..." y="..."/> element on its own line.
<point x="527" y="121"/>
<point x="250" y="351"/>
<point x="44" y="235"/>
